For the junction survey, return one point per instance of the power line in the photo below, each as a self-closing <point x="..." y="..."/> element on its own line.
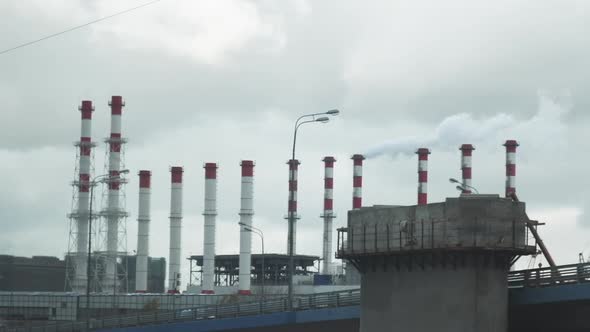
<point x="78" y="27"/>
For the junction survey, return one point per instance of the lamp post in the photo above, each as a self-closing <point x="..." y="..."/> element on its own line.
<point x="315" y="117"/>
<point x="91" y="184"/>
<point x="462" y="186"/>
<point x="258" y="232"/>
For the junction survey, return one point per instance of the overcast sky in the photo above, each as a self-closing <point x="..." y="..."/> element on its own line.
<point x="220" y="81"/>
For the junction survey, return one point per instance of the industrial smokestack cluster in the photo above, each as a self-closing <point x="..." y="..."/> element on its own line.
<point x="114" y="212"/>
<point x="80" y="233"/>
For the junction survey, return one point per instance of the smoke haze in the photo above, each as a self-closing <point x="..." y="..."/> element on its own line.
<point x="463" y="128"/>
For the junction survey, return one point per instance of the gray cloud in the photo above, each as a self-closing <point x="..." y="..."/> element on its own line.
<point x="222" y="92"/>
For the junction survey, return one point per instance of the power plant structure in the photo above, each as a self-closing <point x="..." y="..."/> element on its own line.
<point x="108" y="270"/>
<point x="246" y="214"/>
<point x="357" y="181"/>
<point x="113" y="229"/>
<point x="209" y="227"/>
<point x="143" y="231"/>
<point x="76" y="277"/>
<point x="511" y="146"/>
<point x="430" y="265"/>
<point x="328" y="214"/>
<point x="423" y="175"/>
<point x="174" y="254"/>
<point x="292" y="215"/>
<point x="466" y="154"/>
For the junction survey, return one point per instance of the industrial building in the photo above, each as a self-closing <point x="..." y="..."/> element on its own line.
<point x="156" y="274"/>
<point x="47" y="274"/>
<point x="275" y="267"/>
<point x="35" y="274"/>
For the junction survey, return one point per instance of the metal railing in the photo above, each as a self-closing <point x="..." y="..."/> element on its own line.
<point x="541" y="277"/>
<point x="548" y="276"/>
<point x="266" y="306"/>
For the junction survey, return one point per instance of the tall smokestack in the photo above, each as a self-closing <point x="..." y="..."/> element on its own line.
<point x="83" y="184"/>
<point x="466" y="152"/>
<point x="328" y="214"/>
<point x="357" y="181"/>
<point x="175" y="229"/>
<point x="143" y="232"/>
<point x="246" y="213"/>
<point x="292" y="208"/>
<point x="209" y="231"/>
<point x="511" y="146"/>
<point x="423" y="175"/>
<point x="113" y="212"/>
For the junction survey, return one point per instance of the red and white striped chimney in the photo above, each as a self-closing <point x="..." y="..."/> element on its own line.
<point x="113" y="212"/>
<point x="328" y="214"/>
<point x="511" y="146"/>
<point x="466" y="152"/>
<point x="292" y="208"/>
<point x="210" y="213"/>
<point x="246" y="213"/>
<point x="143" y="232"/>
<point x="85" y="145"/>
<point x="423" y="175"/>
<point x="175" y="230"/>
<point x="357" y="181"/>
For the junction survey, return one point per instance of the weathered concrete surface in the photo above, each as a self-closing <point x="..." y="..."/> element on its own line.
<point x="467" y="222"/>
<point x="471" y="298"/>
<point x="440" y="267"/>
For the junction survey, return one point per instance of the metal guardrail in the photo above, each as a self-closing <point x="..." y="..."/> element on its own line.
<point x="261" y="306"/>
<point x="543" y="277"/>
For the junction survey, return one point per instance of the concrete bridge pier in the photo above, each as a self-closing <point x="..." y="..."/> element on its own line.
<point x="437" y="267"/>
<point x="455" y="293"/>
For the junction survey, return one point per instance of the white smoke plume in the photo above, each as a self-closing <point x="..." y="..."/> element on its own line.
<point x="449" y="134"/>
<point x="464" y="128"/>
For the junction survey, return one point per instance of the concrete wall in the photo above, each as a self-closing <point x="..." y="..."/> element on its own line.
<point x="438" y="267"/>
<point x="473" y="298"/>
<point x="482" y="221"/>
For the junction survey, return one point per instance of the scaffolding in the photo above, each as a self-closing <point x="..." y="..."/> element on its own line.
<point x="77" y="259"/>
<point x="112" y="214"/>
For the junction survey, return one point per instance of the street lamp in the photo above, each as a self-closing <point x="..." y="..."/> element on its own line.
<point x="97" y="179"/>
<point x="462" y="186"/>
<point x="259" y="232"/>
<point x="315" y="117"/>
